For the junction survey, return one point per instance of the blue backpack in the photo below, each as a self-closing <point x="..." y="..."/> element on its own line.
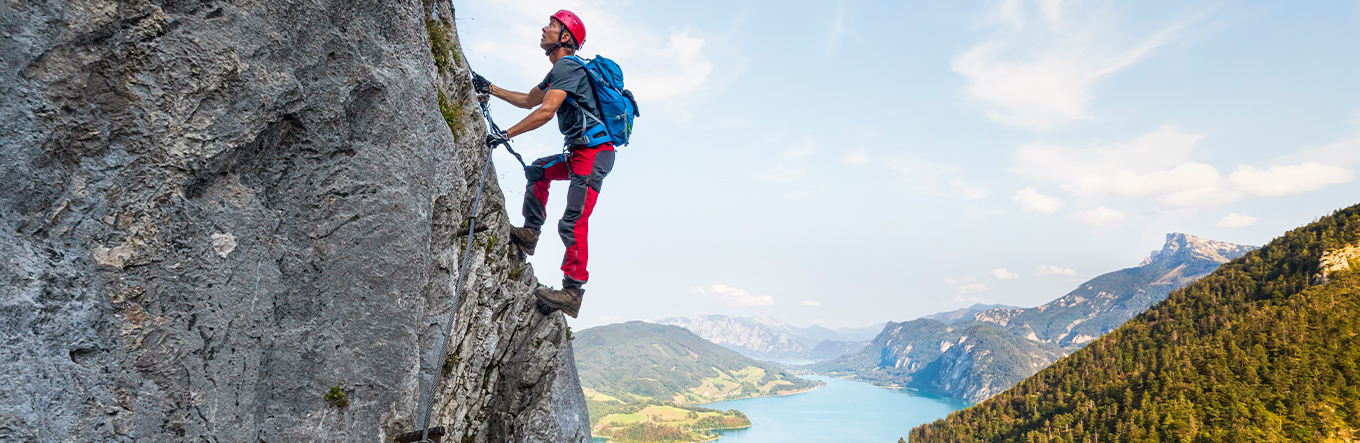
<point x="616" y="103"/>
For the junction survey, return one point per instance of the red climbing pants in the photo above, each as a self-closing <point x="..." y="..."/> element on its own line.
<point x="586" y="168"/>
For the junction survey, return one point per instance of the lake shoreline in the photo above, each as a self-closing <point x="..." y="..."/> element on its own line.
<point x="846" y="411"/>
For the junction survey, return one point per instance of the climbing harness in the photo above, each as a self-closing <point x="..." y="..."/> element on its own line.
<point x="427" y="395"/>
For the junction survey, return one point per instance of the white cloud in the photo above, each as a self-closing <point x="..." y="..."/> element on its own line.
<point x="733" y="297"/>
<point x="1235" y="220"/>
<point x="1037" y="68"/>
<point x="1032" y="201"/>
<point x="1155" y="151"/>
<point x="950" y="281"/>
<point x="1003" y="274"/>
<point x="812" y="303"/>
<point x="1157" y="165"/>
<point x="1188" y="176"/>
<point x="975" y="287"/>
<point x="858" y="157"/>
<point x="1099" y="216"/>
<point x="1287" y="180"/>
<point x="688" y="68"/>
<point x="1054" y="270"/>
<point x="968" y="191"/>
<point x="1345" y="152"/>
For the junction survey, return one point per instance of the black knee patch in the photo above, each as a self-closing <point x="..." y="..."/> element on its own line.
<point x="604" y="162"/>
<point x="533" y="173"/>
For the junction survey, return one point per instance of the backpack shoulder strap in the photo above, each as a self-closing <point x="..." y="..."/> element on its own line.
<point x="589" y="76"/>
<point x="577" y="59"/>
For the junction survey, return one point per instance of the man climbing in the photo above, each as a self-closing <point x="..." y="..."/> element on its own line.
<point x="567" y="92"/>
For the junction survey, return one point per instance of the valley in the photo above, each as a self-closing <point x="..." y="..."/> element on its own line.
<point x="669" y="383"/>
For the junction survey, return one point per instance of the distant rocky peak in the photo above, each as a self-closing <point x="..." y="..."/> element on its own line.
<point x="1182" y="246"/>
<point x="770" y="321"/>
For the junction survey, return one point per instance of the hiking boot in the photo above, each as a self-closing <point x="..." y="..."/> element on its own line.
<point x="566" y="299"/>
<point x="525" y="238"/>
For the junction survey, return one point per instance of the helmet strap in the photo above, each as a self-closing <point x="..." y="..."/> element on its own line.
<point x="558" y="44"/>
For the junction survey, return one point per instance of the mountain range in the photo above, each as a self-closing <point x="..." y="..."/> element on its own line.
<point x="1263" y="349"/>
<point x="966" y="314"/>
<point x="980" y="353"/>
<point x="1100" y="305"/>
<point x="768" y="338"/>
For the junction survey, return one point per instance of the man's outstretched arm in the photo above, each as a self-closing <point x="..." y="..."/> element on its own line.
<point x="550" y="102"/>
<point x="519" y="99"/>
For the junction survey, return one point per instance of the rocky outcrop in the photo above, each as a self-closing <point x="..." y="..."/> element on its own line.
<point x="1187" y="245"/>
<point x="986" y="361"/>
<point x="214" y="213"/>
<point x="1336" y="260"/>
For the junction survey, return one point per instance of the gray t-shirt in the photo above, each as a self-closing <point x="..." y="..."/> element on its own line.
<point x="570" y="76"/>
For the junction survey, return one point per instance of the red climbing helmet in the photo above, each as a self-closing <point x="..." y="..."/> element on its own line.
<point x="573" y="24"/>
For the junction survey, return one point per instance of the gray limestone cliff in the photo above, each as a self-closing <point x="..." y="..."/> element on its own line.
<point x="212" y="213"/>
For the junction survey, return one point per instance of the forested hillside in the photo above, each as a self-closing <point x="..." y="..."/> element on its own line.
<point x="1263" y="349"/>
<point x="637" y="360"/>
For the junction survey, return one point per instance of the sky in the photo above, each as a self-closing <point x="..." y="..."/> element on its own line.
<point x="844" y="163"/>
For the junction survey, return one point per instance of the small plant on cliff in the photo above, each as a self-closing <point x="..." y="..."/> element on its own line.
<point x="450" y="363"/>
<point x="337" y="397"/>
<point x="491" y="243"/>
<point x="440" y="46"/>
<point x="451" y="113"/>
<point x="569" y="336"/>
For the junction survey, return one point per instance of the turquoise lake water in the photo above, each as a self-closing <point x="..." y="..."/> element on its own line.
<point x="843" y="411"/>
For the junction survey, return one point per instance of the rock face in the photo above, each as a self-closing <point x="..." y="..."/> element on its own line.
<point x="986" y="361"/>
<point x="214" y="212"/>
<point x="1336" y="260"/>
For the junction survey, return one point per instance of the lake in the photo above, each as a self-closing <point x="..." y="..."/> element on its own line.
<point x="842" y="411"/>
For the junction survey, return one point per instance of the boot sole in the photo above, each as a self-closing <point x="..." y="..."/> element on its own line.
<point x="565" y="309"/>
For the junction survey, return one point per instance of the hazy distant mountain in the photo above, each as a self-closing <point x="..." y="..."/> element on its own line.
<point x="767" y="338"/>
<point x="863" y="333"/>
<point x="975" y="358"/>
<point x="639" y="361"/>
<point x="1105" y="302"/>
<point x="966" y="314"/>
<point x="829" y="349"/>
